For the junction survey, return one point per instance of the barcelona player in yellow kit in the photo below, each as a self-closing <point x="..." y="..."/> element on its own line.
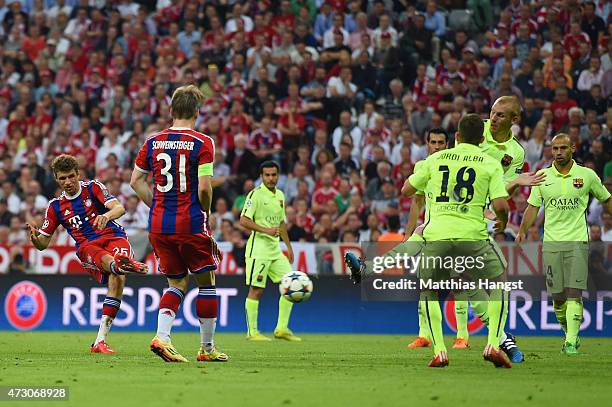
<point x="264" y="215"/>
<point x="565" y="196"/>
<point x="460" y="181"/>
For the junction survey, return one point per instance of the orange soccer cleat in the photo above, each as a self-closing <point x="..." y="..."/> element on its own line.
<point x="127" y="265"/>
<point x="439" y="360"/>
<point x="419" y="342"/>
<point x="496" y="356"/>
<point x="101" y="347"/>
<point x="461" y="343"/>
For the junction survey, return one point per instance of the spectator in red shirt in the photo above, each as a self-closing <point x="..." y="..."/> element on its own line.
<point x="560" y="108"/>
<point x="320" y="196"/>
<point x="573" y="39"/>
<point x="291" y="126"/>
<point x="33" y="43"/>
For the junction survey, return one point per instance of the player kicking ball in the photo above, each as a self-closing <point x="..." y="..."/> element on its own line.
<point x="88" y="211"/>
<point x="180" y="160"/>
<point x="264" y="215"/>
<point x="565" y="196"/>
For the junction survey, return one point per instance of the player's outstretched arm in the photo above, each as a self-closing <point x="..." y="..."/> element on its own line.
<point x="415" y="210"/>
<point x="140" y="185"/>
<point x="41" y="242"/>
<point x="528" y="218"/>
<point x="501" y="209"/>
<point x="285" y="236"/>
<point x="116" y="210"/>
<point x="528" y="179"/>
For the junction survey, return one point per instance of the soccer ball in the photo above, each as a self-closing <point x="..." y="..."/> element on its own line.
<point x="295" y="286"/>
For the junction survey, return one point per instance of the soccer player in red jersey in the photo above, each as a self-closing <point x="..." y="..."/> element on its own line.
<point x="181" y="162"/>
<point x="88" y="211"/>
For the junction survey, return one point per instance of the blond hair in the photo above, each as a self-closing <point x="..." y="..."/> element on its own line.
<point x="186" y="102"/>
<point x="511" y="100"/>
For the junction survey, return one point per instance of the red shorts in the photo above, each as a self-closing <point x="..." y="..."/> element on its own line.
<point x="91" y="253"/>
<point x="178" y="254"/>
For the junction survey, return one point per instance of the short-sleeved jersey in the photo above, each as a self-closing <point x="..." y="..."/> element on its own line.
<point x="565" y="199"/>
<point x="510" y="154"/>
<point x="266" y="208"/>
<point x="176" y="157"/>
<point x="458" y="183"/>
<point x="417" y="166"/>
<point x="77" y="213"/>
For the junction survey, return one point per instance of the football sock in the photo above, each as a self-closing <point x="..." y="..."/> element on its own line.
<point x="110" y="307"/>
<point x="207" y="311"/>
<point x="284" y="312"/>
<point x="423" y="330"/>
<point x="574" y="319"/>
<point x="461" y="315"/>
<point x="481" y="308"/>
<point x="113" y="268"/>
<point x="168" y="307"/>
<point x="252" y="309"/>
<point x="433" y="316"/>
<point x="479" y="300"/>
<point x="560" y="311"/>
<point x="498" y="311"/>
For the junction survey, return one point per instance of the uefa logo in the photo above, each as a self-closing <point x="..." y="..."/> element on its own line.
<point x="25" y="305"/>
<point x="474" y="323"/>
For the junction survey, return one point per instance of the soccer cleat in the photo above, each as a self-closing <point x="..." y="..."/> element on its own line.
<point x="213" y="356"/>
<point x="419" y="342"/>
<point x="127" y="265"/>
<point x="461" y="343"/>
<point x="570" y="349"/>
<point x="101" y="347"/>
<point x="355" y="265"/>
<point x="439" y="360"/>
<point x="496" y="356"/>
<point x="165" y="350"/>
<point x="511" y="349"/>
<point x="257" y="337"/>
<point x="287" y="335"/>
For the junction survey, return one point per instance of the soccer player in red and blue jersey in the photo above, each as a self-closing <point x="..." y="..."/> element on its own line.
<point x="88" y="211"/>
<point x="180" y="160"/>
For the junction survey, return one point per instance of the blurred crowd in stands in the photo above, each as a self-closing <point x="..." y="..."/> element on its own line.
<point x="341" y="92"/>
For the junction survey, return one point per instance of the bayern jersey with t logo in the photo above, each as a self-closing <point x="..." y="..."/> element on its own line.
<point x="77" y="213"/>
<point x="176" y="157"/>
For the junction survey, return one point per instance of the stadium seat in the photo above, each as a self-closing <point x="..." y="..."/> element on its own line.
<point x="460" y="19"/>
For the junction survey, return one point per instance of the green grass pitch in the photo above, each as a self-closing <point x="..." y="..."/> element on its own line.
<point x="323" y="370"/>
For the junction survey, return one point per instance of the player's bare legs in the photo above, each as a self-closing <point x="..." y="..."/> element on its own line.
<point x="568" y="308"/>
<point x="252" y="312"/>
<point x="207" y="310"/>
<point x="169" y="304"/>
